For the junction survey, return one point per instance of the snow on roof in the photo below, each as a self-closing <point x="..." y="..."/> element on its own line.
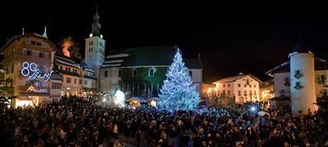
<point x="67" y="62"/>
<point x="276" y="68"/>
<point x="234" y="78"/>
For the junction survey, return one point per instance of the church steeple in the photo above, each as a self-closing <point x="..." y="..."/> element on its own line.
<point x="301" y="46"/>
<point x="96" y="25"/>
<point x="45" y="32"/>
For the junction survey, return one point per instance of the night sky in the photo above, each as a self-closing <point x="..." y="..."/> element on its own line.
<point x="228" y="42"/>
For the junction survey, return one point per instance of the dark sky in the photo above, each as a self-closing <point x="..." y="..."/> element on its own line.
<point x="229" y="42"/>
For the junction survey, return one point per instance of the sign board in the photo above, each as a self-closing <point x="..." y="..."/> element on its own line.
<point x="32" y="71"/>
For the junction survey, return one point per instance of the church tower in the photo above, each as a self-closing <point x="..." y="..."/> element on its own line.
<point x="302" y="79"/>
<point x="95" y="47"/>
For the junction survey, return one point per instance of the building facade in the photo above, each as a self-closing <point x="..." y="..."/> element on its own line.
<point x="302" y="79"/>
<point x="28" y="70"/>
<point x="267" y="90"/>
<point x="140" y="71"/>
<point x="241" y="88"/>
<point x="77" y="79"/>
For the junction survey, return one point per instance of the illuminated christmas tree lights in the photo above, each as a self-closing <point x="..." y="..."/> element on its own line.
<point x="177" y="92"/>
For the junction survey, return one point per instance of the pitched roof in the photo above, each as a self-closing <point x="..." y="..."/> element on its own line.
<point x="66" y="61"/>
<point x="26" y="35"/>
<point x="146" y="56"/>
<point x="284" y="67"/>
<point x="277" y="68"/>
<point x="301" y="46"/>
<point x="235" y="78"/>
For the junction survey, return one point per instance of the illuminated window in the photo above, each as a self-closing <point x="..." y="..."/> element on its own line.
<point x="33" y="53"/>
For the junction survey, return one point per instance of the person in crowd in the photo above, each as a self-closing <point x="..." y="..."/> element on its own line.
<point x="84" y="123"/>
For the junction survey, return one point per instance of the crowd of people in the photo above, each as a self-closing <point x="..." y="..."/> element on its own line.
<point x="76" y="122"/>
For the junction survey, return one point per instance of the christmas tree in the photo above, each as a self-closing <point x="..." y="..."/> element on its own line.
<point x="177" y="92"/>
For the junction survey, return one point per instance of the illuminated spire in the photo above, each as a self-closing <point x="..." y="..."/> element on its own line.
<point x="45" y="32"/>
<point x="23" y="31"/>
<point x="96" y="25"/>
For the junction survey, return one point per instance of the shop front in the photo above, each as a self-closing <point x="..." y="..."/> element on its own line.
<point x="31" y="96"/>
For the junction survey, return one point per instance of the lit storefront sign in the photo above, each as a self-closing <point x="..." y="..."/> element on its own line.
<point x="32" y="71"/>
<point x="38" y="90"/>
